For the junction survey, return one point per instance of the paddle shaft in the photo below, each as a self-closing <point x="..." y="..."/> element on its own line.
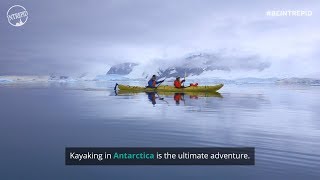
<point x="161" y="82"/>
<point x="185" y="73"/>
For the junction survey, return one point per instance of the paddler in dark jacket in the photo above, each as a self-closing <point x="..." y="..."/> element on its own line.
<point x="153" y="82"/>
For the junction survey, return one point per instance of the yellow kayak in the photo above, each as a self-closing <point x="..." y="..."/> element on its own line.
<point x="165" y="93"/>
<point x="166" y="88"/>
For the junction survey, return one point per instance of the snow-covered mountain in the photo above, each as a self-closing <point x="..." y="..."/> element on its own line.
<point x="198" y="67"/>
<point x="191" y="65"/>
<point x="122" y="69"/>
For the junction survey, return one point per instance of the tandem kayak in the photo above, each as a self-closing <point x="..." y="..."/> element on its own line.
<point x="166" y="88"/>
<point x="165" y="93"/>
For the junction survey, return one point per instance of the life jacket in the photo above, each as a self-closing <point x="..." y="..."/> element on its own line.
<point x="177" y="84"/>
<point x="194" y="84"/>
<point x="152" y="83"/>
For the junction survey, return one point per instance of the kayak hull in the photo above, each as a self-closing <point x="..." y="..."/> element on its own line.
<point x="166" y="88"/>
<point x="163" y="93"/>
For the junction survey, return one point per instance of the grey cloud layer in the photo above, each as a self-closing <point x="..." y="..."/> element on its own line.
<point x="76" y="36"/>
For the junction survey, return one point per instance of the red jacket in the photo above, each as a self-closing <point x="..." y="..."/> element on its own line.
<point x="177" y="83"/>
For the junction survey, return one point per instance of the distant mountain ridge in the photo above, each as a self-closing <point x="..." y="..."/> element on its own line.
<point x="122" y="69"/>
<point x="302" y="81"/>
<point x="194" y="64"/>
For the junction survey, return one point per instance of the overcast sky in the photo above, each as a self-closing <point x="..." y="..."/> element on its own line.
<point x="75" y="36"/>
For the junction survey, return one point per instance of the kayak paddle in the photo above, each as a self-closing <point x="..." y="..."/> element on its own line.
<point x="161" y="82"/>
<point x="185" y="74"/>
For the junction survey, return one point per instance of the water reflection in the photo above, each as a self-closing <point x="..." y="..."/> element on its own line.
<point x="178" y="98"/>
<point x="281" y="123"/>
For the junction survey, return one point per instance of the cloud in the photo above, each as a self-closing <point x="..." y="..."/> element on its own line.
<point x="82" y="36"/>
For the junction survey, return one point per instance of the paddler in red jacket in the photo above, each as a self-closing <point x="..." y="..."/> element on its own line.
<point x="177" y="83"/>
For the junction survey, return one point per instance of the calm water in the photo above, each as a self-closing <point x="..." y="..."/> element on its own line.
<point x="38" y="122"/>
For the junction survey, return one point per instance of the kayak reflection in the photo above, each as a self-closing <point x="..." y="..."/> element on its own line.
<point x="178" y="98"/>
